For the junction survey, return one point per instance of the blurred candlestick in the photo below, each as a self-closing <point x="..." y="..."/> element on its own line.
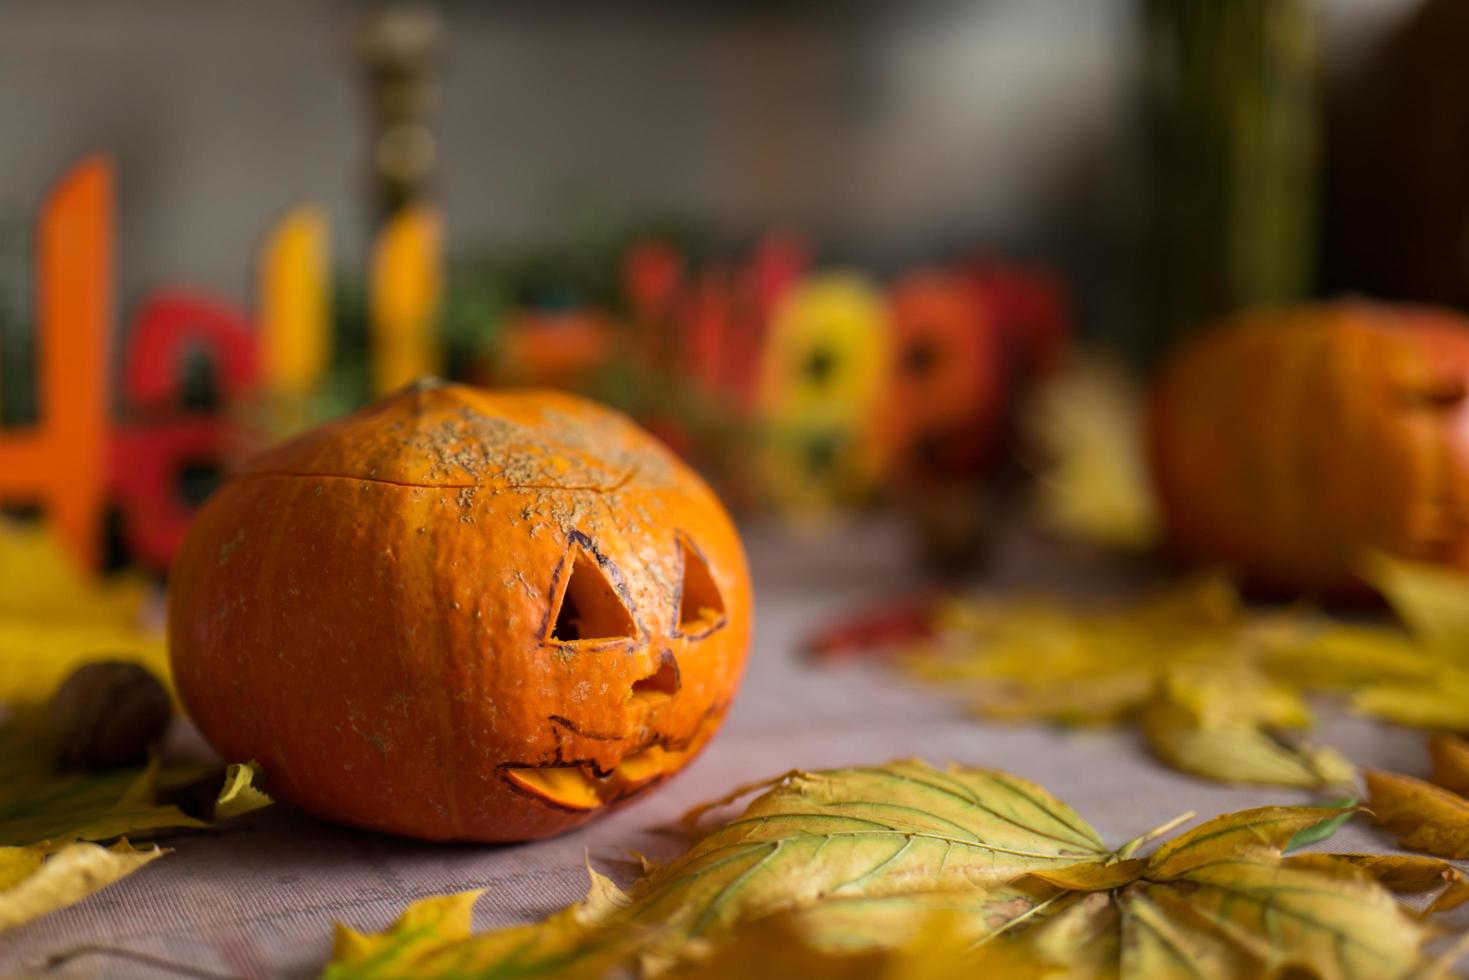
<point x="946" y="380"/>
<point x="407" y="286"/>
<point x="399" y="47"/>
<point x="294" y="312"/>
<point x="59" y="464"/>
<point x="1232" y="111"/>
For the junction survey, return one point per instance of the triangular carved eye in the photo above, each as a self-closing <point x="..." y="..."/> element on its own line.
<point x="700" y="606"/>
<point x="590" y="608"/>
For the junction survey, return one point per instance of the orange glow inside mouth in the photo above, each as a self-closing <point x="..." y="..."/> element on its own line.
<point x="580" y="788"/>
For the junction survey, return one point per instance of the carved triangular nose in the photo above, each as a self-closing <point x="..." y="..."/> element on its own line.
<point x="661" y="683"/>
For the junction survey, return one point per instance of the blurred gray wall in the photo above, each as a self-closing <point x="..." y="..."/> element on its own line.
<point x="899" y="128"/>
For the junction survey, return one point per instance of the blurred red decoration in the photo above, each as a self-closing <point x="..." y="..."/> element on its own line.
<point x="706" y="326"/>
<point x="887" y="628"/>
<point x="559" y="348"/>
<point x="1031" y="313"/>
<point x="709" y="323"/>
<point x="161" y="437"/>
<point x="947" y="377"/>
<point x="806" y="364"/>
<point x="651" y="273"/>
<point x="73" y="460"/>
<point x="171" y="326"/>
<point x="778" y="262"/>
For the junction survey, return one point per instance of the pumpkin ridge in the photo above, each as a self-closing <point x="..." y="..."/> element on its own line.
<point x="606" y="488"/>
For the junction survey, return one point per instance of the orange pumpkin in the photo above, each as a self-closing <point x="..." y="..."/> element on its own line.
<point x="462" y="614"/>
<point x="1286" y="443"/>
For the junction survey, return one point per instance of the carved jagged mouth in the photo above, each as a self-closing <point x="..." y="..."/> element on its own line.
<point x="579" y="787"/>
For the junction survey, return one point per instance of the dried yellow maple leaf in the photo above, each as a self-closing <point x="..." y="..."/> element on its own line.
<point x="883" y="858"/>
<point x="776" y="946"/>
<point x="1432" y="600"/>
<point x="1219" y="690"/>
<point x="1032" y="658"/>
<point x="1449" y="756"/>
<point x="1187" y="664"/>
<point x="34" y="882"/>
<point x="1402" y="874"/>
<point x="1230" y="722"/>
<point x="52" y="823"/>
<point x="1422" y="815"/>
<point x="1091" y="475"/>
<point x="432" y="938"/>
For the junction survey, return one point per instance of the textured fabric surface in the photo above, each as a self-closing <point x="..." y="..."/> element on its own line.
<point x="259" y="898"/>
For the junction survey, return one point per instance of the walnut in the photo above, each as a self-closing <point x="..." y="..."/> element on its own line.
<point x="108" y="714"/>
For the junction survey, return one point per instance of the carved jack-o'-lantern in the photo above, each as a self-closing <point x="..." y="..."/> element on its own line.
<point x="822" y="379"/>
<point x="461" y="614"/>
<point x="1289" y="443"/>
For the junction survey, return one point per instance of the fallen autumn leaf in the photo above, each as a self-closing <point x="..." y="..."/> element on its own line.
<point x="875" y="858"/>
<point x="52" y="824"/>
<point x="1426" y="816"/>
<point x="1218" y="689"/>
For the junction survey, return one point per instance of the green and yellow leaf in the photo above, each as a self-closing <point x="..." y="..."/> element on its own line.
<point x="1261" y="832"/>
<point x="240" y="793"/>
<point x="1347" y="808"/>
<point x="432" y="938"/>
<point x="876" y="871"/>
<point x="1229" y="722"/>
<point x="52" y="823"/>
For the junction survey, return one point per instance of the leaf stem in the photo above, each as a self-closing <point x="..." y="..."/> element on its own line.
<point x="889" y="832"/>
<point x="57" y="960"/>
<point x="1131" y="847"/>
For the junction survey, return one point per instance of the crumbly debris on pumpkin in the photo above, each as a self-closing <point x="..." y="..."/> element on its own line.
<point x="453" y="442"/>
<point x="474" y="445"/>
